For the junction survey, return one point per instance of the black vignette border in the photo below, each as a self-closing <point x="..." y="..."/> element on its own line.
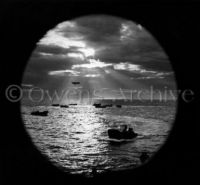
<point x="174" y="25"/>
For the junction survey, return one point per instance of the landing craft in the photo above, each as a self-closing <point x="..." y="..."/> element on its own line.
<point x="75" y="83"/>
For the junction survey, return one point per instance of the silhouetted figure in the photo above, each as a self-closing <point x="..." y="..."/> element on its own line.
<point x="125" y="128"/>
<point x="121" y="134"/>
<point x="144" y="157"/>
<point x="130" y="131"/>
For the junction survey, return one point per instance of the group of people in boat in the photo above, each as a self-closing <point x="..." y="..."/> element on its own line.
<point x="126" y="129"/>
<point x="123" y="132"/>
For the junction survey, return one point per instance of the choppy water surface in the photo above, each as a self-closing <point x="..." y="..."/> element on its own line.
<point x="76" y="139"/>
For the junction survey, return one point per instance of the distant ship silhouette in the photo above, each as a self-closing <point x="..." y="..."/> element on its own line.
<point x="75" y="83"/>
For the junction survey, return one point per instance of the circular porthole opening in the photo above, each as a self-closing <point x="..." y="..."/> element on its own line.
<point x="99" y="95"/>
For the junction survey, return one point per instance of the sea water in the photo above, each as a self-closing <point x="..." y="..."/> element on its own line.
<point x="76" y="138"/>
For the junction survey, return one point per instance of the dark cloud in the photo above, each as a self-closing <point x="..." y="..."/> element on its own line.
<point x="115" y="41"/>
<point x="95" y="29"/>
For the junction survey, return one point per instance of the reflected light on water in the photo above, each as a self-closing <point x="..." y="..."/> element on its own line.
<point x="76" y="138"/>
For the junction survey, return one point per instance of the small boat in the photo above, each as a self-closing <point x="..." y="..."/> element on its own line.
<point x="64" y="106"/>
<point x="119" y="136"/>
<point x="96" y="104"/>
<point x="118" y="106"/>
<point x="38" y="113"/>
<point x="100" y="106"/>
<point x="75" y="83"/>
<point x="73" y="104"/>
<point x="55" y="105"/>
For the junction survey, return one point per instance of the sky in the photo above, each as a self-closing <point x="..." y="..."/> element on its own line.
<point x="105" y="54"/>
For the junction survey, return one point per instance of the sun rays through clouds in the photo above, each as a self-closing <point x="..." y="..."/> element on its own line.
<point x="99" y="51"/>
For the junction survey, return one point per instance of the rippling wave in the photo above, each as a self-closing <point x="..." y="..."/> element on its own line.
<point x="76" y="139"/>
